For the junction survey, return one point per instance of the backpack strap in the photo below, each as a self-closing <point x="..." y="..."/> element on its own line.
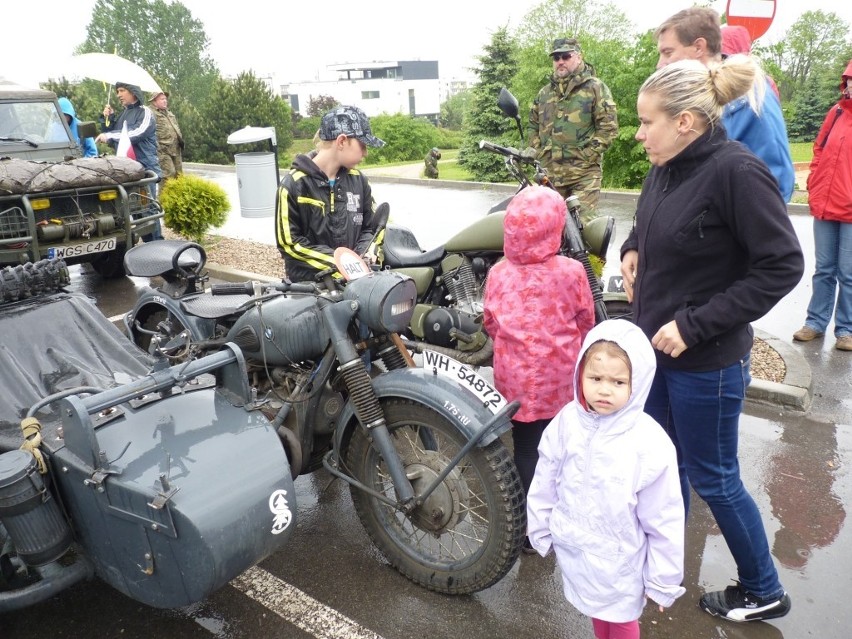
<point x="837" y="113"/>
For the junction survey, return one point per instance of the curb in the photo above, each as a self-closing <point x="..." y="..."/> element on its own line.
<point x="229" y="274"/>
<point x="794" y="393"/>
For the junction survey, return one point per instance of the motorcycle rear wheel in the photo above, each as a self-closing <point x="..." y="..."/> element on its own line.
<point x="469" y="532"/>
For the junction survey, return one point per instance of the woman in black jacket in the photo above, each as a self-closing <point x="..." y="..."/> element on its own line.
<point x="712" y="250"/>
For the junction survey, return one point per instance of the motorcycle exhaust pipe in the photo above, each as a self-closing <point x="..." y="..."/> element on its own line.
<point x="29" y="512"/>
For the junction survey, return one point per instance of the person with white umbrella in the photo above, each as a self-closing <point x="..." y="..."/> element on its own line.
<point x="137" y="123"/>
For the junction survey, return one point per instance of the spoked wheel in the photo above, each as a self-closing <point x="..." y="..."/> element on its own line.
<point x="468" y="532"/>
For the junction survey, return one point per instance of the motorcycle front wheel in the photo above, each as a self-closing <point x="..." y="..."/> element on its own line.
<point x="468" y="533"/>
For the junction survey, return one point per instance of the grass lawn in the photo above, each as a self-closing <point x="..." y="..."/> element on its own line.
<point x="802" y="151"/>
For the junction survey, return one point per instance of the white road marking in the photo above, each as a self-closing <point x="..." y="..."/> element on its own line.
<point x="299" y="608"/>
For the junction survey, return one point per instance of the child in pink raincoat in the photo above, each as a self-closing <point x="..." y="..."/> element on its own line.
<point x="538" y="309"/>
<point x="606" y="493"/>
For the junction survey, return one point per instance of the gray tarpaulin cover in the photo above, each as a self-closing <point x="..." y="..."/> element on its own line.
<point x="52" y="343"/>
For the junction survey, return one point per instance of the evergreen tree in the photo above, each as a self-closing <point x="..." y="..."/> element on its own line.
<point x="247" y="101"/>
<point x="810" y="106"/>
<point x="497" y="68"/>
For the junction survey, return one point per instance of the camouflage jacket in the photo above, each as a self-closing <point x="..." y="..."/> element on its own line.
<point x="572" y="122"/>
<point x="169" y="137"/>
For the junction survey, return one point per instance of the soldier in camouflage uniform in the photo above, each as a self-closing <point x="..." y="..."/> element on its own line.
<point x="572" y="122"/>
<point x="431" y="162"/>
<point x="169" y="138"/>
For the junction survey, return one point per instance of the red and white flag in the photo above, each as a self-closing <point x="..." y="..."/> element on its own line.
<point x="125" y="149"/>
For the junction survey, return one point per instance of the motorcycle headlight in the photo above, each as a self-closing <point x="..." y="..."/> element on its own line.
<point x="386" y="300"/>
<point x="598" y="234"/>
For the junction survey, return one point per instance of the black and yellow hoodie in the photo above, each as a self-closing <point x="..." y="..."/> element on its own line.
<point x="314" y="216"/>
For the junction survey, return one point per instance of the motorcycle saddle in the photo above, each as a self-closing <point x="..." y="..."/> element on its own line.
<point x="154" y="259"/>
<point x="214" y="306"/>
<point x="401" y="249"/>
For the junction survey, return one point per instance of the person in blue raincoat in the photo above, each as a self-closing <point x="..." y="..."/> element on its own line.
<point x="87" y="145"/>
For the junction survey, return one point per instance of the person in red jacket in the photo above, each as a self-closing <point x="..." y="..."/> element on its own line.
<point x="830" y="199"/>
<point x="538" y="309"/>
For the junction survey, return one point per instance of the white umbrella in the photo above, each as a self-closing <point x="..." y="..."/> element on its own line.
<point x="110" y="68"/>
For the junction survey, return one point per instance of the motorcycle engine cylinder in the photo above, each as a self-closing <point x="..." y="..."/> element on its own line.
<point x="440" y="321"/>
<point x="29" y="512"/>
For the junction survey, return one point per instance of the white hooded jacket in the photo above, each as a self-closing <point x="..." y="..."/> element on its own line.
<point x="606" y="496"/>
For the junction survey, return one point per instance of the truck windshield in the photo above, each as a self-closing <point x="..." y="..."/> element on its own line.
<point x="32" y="122"/>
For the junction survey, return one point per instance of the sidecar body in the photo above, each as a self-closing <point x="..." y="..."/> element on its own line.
<point x="166" y="482"/>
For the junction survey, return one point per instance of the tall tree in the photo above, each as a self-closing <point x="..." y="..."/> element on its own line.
<point x="810" y="106"/>
<point x="160" y="36"/>
<point x="497" y="68"/>
<point x="247" y="101"/>
<point x="320" y="105"/>
<point x="454" y="110"/>
<point x="619" y="58"/>
<point x="600" y="21"/>
<point x="812" y="46"/>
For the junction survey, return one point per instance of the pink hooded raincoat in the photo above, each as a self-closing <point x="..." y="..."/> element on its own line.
<point x="538" y="307"/>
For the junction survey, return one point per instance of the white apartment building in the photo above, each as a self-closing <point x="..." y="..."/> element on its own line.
<point x="403" y="86"/>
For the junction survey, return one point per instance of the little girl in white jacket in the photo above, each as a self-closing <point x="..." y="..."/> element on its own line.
<point x="606" y="492"/>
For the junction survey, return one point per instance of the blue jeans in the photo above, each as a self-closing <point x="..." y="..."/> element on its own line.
<point x="833" y="248"/>
<point x="700" y="412"/>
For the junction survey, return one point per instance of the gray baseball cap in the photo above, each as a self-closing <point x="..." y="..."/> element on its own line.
<point x="351" y="122"/>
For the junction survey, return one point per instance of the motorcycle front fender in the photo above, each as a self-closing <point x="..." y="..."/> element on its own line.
<point x="446" y="398"/>
<point x="151" y="301"/>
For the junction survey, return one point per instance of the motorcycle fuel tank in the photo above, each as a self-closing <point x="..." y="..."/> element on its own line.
<point x="486" y="234"/>
<point x="281" y="331"/>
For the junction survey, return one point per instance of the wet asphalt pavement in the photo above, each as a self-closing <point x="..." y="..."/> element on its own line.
<point x="795" y="463"/>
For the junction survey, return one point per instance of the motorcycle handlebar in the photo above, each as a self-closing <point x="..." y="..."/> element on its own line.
<point x="248" y="288"/>
<point x="241" y="288"/>
<point x="502" y="150"/>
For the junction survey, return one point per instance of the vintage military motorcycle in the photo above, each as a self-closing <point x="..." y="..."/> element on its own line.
<point x="451" y="278"/>
<point x="167" y="481"/>
<point x="307" y="347"/>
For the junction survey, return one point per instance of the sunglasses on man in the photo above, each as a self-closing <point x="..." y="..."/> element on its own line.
<point x="562" y="56"/>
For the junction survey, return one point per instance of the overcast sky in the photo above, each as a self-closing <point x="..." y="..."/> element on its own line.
<point x="294" y="40"/>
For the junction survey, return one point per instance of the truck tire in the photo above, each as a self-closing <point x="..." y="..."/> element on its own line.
<point x="110" y="265"/>
<point x="31" y="279"/>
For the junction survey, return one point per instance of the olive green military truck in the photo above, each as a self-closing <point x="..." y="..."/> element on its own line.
<point x="54" y="203"/>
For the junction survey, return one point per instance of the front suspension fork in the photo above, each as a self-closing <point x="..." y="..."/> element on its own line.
<point x="368" y="410"/>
